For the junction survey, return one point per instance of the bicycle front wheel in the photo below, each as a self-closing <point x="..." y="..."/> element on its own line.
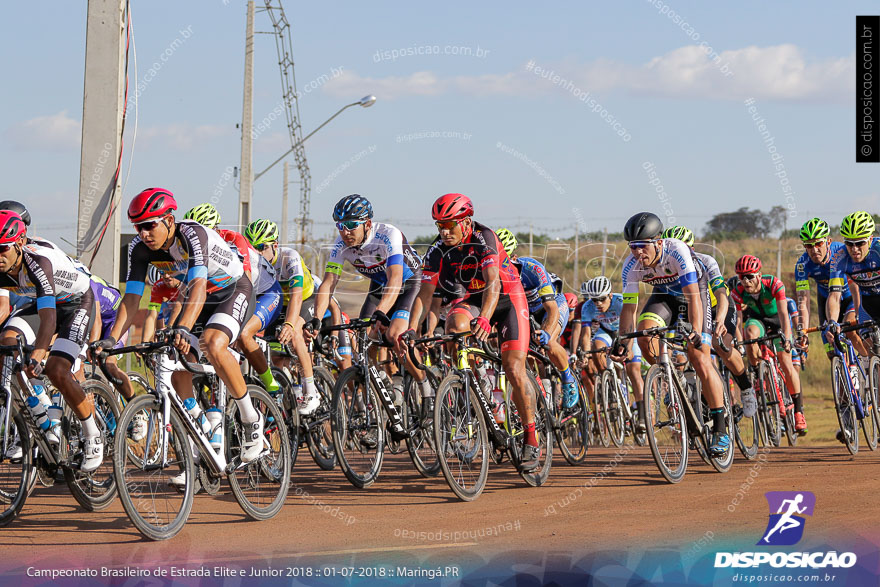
<point x="260" y="486"/>
<point x="358" y="436"/>
<point x="665" y="425"/>
<point x="769" y="404"/>
<point x="460" y="435"/>
<point x="790" y="433"/>
<point x="611" y="398"/>
<point x="870" y="424"/>
<point x="96" y="490"/>
<point x="318" y="427"/>
<point x="155" y="506"/>
<point x="599" y="401"/>
<point x="573" y="429"/>
<point x="723" y="463"/>
<point x="421" y="444"/>
<point x="543" y="432"/>
<point x="843" y="404"/>
<point x="16" y="473"/>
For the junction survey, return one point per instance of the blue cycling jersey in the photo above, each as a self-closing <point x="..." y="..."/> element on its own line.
<point x="536" y="282"/>
<point x="805" y="269"/>
<point x="865" y="274"/>
<point x="609" y="319"/>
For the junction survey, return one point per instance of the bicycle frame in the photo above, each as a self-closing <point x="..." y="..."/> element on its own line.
<point x="847" y="354"/>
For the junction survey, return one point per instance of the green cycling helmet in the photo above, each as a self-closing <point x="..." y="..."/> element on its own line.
<point x="205" y="214"/>
<point x="682" y="233"/>
<point x="261" y="232"/>
<point x="814" y="229"/>
<point x="857" y="225"/>
<point x="508" y="241"/>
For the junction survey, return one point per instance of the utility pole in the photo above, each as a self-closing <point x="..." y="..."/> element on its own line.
<point x="284" y="232"/>
<point x="103" y="95"/>
<point x="247" y="125"/>
<point x="604" y="247"/>
<point x="779" y="260"/>
<point x="576" y="248"/>
<point x="531" y="254"/>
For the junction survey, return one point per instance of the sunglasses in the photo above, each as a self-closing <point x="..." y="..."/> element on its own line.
<point x="635" y="245"/>
<point x="856" y="244"/>
<point x="749" y="276"/>
<point x="814" y="244"/>
<point x="261" y="247"/>
<point x="6" y="247"/>
<point x="446" y="224"/>
<point x="349" y="224"/>
<point x="601" y="299"/>
<point x="145" y="226"/>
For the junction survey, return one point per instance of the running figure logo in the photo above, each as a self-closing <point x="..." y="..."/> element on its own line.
<point x="786" y="525"/>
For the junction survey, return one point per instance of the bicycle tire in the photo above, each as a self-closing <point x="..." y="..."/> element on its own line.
<point x="96" y="490"/>
<point x="614" y="419"/>
<point x="843" y="405"/>
<point x="318" y="427"/>
<point x="746" y="430"/>
<point x="573" y="429"/>
<point x="421" y="444"/>
<point x="790" y="434"/>
<point x="261" y="486"/>
<point x="291" y="416"/>
<point x="770" y="404"/>
<point x="665" y="425"/>
<point x="701" y="409"/>
<point x="454" y="411"/>
<point x="140" y="380"/>
<point x="129" y="470"/>
<point x="15" y="476"/>
<point x="356" y="422"/>
<point x="870" y="424"/>
<point x="604" y="434"/>
<point x="544" y="433"/>
<point x="723" y="463"/>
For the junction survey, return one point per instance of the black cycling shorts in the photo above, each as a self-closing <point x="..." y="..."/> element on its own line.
<point x="668" y="308"/>
<point x="73" y="324"/>
<point x="402" y="305"/>
<point x="226" y="310"/>
<point x="845" y="306"/>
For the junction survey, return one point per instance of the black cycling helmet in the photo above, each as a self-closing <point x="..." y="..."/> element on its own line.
<point x="642" y="227"/>
<point x="353" y="207"/>
<point x="18" y="208"/>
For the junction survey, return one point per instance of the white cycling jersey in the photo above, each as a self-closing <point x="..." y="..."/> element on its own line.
<point x="384" y="246"/>
<point x="47" y="275"/>
<point x="675" y="269"/>
<point x="292" y="272"/>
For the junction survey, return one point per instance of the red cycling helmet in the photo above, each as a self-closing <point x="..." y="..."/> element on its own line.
<point x="452" y="207"/>
<point x="572" y="300"/>
<point x="748" y="264"/>
<point x="12" y="227"/>
<point x="151" y="203"/>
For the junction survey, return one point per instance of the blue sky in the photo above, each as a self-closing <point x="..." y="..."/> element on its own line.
<point x="524" y="148"/>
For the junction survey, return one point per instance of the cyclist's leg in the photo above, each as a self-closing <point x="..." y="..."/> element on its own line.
<point x="513" y="328"/>
<point x="400" y="315"/>
<point x="266" y="312"/>
<point x="634" y="372"/>
<point x="344" y="349"/>
<point x="753" y="328"/>
<point x="657" y="312"/>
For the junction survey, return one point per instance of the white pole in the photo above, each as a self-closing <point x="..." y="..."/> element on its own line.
<point x="247" y="123"/>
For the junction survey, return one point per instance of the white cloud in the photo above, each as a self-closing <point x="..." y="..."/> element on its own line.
<point x="56" y="132"/>
<point x="183" y="137"/>
<point x="779" y="72"/>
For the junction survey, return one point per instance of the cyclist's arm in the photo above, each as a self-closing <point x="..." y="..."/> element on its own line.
<point x="586" y="337"/>
<point x="296" y="302"/>
<point x="96" y="324"/>
<point x="493" y="289"/>
<point x="857" y="298"/>
<point x="784" y="320"/>
<point x="628" y="322"/>
<point x="322" y="296"/>
<point x="722" y="305"/>
<point x="46" y="330"/>
<point x="551" y="314"/>
<point x="125" y="315"/>
<point x="425" y="299"/>
<point x="392" y="288"/>
<point x="575" y="339"/>
<point x="433" y="315"/>
<point x="803" y="303"/>
<point x="695" y="305"/>
<point x="832" y="304"/>
<point x="150" y="325"/>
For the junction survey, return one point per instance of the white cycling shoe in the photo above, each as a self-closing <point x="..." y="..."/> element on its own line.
<point x="251" y="440"/>
<point x="93" y="453"/>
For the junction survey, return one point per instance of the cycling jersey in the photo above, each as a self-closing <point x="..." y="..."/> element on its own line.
<point x="536" y="281"/>
<point x="465" y="262"/>
<point x="609" y="320"/>
<point x="195" y="252"/>
<point x="291" y="271"/>
<point x="865" y="274"/>
<point x="805" y="269"/>
<point x="162" y="293"/>
<point x="47" y="275"/>
<point x="383" y="247"/>
<point x="673" y="270"/>
<point x="713" y="275"/>
<point x="763" y="304"/>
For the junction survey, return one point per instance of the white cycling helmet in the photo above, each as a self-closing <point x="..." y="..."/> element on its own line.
<point x="154" y="276"/>
<point x="597" y="287"/>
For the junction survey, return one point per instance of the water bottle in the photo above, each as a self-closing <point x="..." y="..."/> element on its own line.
<point x="498" y="412"/>
<point x="397" y="388"/>
<point x="55" y="410"/>
<point x="195" y="410"/>
<point x="38" y="411"/>
<point x="215" y="420"/>
<point x="854" y="376"/>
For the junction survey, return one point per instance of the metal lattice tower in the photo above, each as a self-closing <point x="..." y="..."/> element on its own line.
<point x="284" y="46"/>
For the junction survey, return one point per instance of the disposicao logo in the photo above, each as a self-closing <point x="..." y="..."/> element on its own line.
<point x="785" y="528"/>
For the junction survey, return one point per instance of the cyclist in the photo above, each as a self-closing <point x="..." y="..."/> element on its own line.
<point x="762" y="301"/>
<point x="815" y="264"/>
<point x="548" y="306"/>
<point x="600" y="322"/>
<point x="470" y="254"/>
<point x="380" y="252"/>
<point x="680" y="289"/>
<point x="63" y="305"/>
<point x="725" y="320"/>
<point x="217" y="302"/>
<point x="858" y="261"/>
<point x="163" y="308"/>
<point x="573" y="329"/>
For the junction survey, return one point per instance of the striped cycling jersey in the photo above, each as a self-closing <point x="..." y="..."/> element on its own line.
<point x="384" y="246"/>
<point x="291" y="271"/>
<point x="47" y="275"/>
<point x="536" y="281"/>
<point x="674" y="269"/>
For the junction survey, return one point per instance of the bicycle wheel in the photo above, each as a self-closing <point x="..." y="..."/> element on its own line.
<point x="746" y="431"/>
<point x="260" y="487"/>
<point x="156" y="507"/>
<point x="573" y="429"/>
<point x="287" y="401"/>
<point x="665" y="425"/>
<point x="319" y="432"/>
<point x="544" y="433"/>
<point x="769" y="403"/>
<point x="614" y="418"/>
<point x="421" y="444"/>
<point x="460" y="435"/>
<point x="96" y="490"/>
<point x="723" y="463"/>
<point x="358" y="435"/>
<point x="694" y="389"/>
<point x="790" y="434"/>
<point x="843" y="405"/>
<point x="870" y="424"/>
<point x="603" y="433"/>
<point x="15" y="474"/>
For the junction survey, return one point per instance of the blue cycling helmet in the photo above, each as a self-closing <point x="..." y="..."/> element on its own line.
<point x="353" y="207"/>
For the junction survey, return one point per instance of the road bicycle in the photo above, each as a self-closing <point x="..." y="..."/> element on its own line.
<point x="747" y="431"/>
<point x="775" y="406"/>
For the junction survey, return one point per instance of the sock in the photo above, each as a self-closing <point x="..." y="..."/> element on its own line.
<point x="246" y="409"/>
<point x="427" y="390"/>
<point x="742" y="380"/>
<point x="90" y="427"/>
<point x="718" y="420"/>
<point x="567" y="377"/>
<point x="531" y="438"/>
<point x="798" y="403"/>
<point x="309" y="386"/>
<point x="269" y="381"/>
